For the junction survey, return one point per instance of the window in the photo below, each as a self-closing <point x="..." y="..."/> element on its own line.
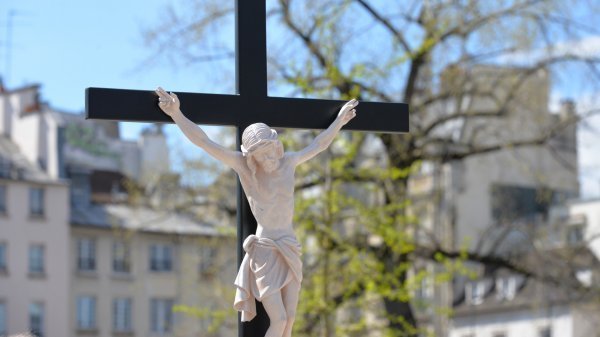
<point x="545" y="332"/>
<point x="36" y="259"/>
<point x="36" y="319"/>
<point x="5" y="167"/>
<point x="86" y="312"/>
<point x="475" y="292"/>
<point x="423" y="292"/>
<point x="207" y="260"/>
<point x="121" y="257"/>
<point x="3" y="328"/>
<point x="161" y="315"/>
<point x="506" y="288"/>
<point x="122" y="315"/>
<point x="86" y="255"/>
<point x="2" y="199"/>
<point x="585" y="276"/>
<point x="575" y="234"/>
<point x="518" y="203"/>
<point x="3" y="257"/>
<point x="161" y="258"/>
<point x="36" y="201"/>
<point x="80" y="189"/>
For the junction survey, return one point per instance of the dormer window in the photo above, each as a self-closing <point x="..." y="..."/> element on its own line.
<point x="576" y="230"/>
<point x="585" y="276"/>
<point x="80" y="189"/>
<point x="5" y="167"/>
<point x="575" y="235"/>
<point x="424" y="291"/>
<point x="475" y="292"/>
<point x="506" y="288"/>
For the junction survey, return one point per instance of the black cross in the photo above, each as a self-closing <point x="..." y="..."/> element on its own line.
<point x="251" y="104"/>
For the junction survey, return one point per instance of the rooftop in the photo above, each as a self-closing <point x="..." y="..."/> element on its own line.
<point x="111" y="216"/>
<point x="555" y="281"/>
<point x="15" y="166"/>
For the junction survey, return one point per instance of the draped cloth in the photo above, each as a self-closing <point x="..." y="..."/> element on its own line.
<point x="268" y="266"/>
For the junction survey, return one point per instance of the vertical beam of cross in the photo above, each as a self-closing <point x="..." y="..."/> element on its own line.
<point x="251" y="49"/>
<point x="251" y="85"/>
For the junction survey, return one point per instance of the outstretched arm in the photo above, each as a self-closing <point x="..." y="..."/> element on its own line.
<point x="169" y="104"/>
<point x="324" y="139"/>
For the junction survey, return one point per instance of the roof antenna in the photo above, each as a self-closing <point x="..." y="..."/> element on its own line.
<point x="8" y="46"/>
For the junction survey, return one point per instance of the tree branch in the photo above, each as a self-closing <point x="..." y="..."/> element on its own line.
<point x="387" y="24"/>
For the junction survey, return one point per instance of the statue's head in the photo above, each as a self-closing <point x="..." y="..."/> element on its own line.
<point x="261" y="146"/>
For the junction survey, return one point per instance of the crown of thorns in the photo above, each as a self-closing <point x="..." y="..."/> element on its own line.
<point x="256" y="135"/>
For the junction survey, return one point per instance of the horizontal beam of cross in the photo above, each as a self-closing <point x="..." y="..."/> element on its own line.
<point x="235" y="110"/>
<point x="251" y="104"/>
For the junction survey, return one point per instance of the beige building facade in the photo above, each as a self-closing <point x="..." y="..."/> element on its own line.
<point x="127" y="283"/>
<point x="76" y="259"/>
<point x="34" y="281"/>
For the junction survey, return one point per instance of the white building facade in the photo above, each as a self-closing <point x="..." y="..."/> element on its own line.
<point x="561" y="301"/>
<point x="485" y="202"/>
<point x="34" y="223"/>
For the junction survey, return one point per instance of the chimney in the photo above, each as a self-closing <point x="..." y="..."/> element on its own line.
<point x="154" y="153"/>
<point x="567" y="109"/>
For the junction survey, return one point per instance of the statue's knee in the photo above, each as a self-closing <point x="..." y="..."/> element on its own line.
<point x="279" y="321"/>
<point x="291" y="316"/>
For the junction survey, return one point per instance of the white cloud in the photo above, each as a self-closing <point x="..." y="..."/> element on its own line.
<point x="585" y="47"/>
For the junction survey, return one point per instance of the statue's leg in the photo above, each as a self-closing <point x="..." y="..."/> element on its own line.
<point x="290" y="294"/>
<point x="277" y="315"/>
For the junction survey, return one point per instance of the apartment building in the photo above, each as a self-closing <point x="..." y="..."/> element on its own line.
<point x="76" y="258"/>
<point x="34" y="227"/>
<point x="513" y="305"/>
<point x="507" y="186"/>
<point x="131" y="266"/>
<point x="493" y="202"/>
<point x="559" y="299"/>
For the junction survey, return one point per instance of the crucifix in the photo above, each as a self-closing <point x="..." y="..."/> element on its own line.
<point x="250" y="104"/>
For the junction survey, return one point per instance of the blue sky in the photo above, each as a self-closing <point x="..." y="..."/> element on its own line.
<point x="68" y="45"/>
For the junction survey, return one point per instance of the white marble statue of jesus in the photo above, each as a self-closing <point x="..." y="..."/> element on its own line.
<point x="271" y="271"/>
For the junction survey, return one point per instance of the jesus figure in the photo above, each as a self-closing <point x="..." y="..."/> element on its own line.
<point x="271" y="271"/>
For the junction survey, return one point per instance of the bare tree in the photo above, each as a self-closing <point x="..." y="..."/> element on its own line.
<point x="471" y="72"/>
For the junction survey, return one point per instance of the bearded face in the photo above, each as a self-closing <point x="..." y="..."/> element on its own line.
<point x="262" y="147"/>
<point x="268" y="156"/>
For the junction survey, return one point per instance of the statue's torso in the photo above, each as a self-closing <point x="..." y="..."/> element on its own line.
<point x="271" y="199"/>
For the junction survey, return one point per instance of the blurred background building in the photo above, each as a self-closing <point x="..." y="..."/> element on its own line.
<point x="502" y="204"/>
<point x="80" y="257"/>
<point x="558" y="301"/>
<point x="93" y="241"/>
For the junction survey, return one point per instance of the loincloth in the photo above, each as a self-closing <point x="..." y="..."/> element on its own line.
<point x="268" y="266"/>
